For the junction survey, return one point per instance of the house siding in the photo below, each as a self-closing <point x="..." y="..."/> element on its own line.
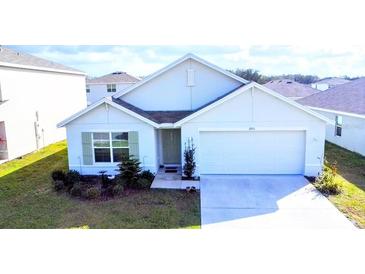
<point x="170" y="90"/>
<point x="99" y="91"/>
<point x="53" y="95"/>
<point x="261" y="111"/>
<point x="107" y="118"/>
<point x="353" y="132"/>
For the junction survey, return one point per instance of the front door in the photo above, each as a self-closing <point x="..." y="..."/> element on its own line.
<point x="171" y="146"/>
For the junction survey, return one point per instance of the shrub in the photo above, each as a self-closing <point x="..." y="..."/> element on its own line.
<point x="58" y="185"/>
<point x="72" y="177"/>
<point x="58" y="175"/>
<point x="76" y="190"/>
<point x="92" y="193"/>
<point x="129" y="170"/>
<point x="189" y="158"/>
<point x="117" y="190"/>
<point x="147" y="175"/>
<point x="105" y="181"/>
<point x="120" y="181"/>
<point x="142" y="183"/>
<point x="326" y="182"/>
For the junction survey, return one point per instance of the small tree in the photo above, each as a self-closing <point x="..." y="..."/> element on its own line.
<point x="189" y="158"/>
<point x="129" y="169"/>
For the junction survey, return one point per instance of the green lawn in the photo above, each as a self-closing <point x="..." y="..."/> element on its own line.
<point x="351" y="175"/>
<point x="27" y="200"/>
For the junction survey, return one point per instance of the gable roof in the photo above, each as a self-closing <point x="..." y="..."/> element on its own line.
<point x="113" y="78"/>
<point x="12" y="58"/>
<point x="177" y="118"/>
<point x="248" y="87"/>
<point x="349" y="97"/>
<point x="174" y="64"/>
<point x="290" y="88"/>
<point x="334" y="81"/>
<point x="109" y="101"/>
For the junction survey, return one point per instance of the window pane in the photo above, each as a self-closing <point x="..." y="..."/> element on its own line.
<point x="120" y="136"/>
<point x="101" y="136"/>
<point x="338" y="131"/>
<point x="118" y="154"/>
<point x="102" y="155"/>
<point x="101" y="143"/>
<point x="122" y="143"/>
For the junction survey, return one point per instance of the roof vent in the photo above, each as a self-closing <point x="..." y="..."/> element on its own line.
<point x="118" y="72"/>
<point x="289" y="82"/>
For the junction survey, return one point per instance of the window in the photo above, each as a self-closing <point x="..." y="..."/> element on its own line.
<point x="87" y="89"/>
<point x="111" y="87"/>
<point x="338" y="126"/>
<point x="110" y="147"/>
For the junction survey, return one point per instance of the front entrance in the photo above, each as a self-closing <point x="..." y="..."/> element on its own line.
<point x="171" y="146"/>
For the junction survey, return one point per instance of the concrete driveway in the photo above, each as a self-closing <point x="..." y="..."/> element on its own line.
<point x="266" y="201"/>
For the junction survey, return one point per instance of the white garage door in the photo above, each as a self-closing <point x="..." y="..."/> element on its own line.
<point x="252" y="152"/>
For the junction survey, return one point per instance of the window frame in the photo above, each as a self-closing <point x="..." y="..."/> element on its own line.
<point x="338" y="125"/>
<point x="111" y="87"/>
<point x="111" y="147"/>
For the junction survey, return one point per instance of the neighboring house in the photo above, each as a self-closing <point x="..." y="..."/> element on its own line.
<point x="34" y="95"/>
<point x="329" y="82"/>
<point x="108" y="85"/>
<point x="237" y="127"/>
<point x="345" y="105"/>
<point x="290" y="88"/>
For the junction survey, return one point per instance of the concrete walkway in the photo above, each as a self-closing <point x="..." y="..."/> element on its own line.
<point x="172" y="181"/>
<point x="258" y="201"/>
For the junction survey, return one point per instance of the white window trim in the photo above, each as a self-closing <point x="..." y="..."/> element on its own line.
<point x="112" y="163"/>
<point x="113" y="88"/>
<point x="337" y="125"/>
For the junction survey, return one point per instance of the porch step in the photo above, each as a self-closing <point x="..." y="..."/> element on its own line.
<point x="171" y="169"/>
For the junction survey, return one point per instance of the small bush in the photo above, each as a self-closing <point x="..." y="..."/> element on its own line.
<point x="117" y="190"/>
<point x="120" y="181"/>
<point x="105" y="181"/>
<point x="58" y="175"/>
<point x="129" y="169"/>
<point x="147" y="175"/>
<point x="93" y="193"/>
<point x="72" y="177"/>
<point x="76" y="190"/>
<point x="58" y="185"/>
<point x="326" y="182"/>
<point x="142" y="184"/>
<point x="189" y="159"/>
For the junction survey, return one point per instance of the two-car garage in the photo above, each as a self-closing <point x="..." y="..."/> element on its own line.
<point x="252" y="152"/>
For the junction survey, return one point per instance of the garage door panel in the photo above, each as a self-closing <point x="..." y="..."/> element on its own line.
<point x="246" y="152"/>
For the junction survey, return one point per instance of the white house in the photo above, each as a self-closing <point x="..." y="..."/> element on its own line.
<point x="34" y="95"/>
<point x="107" y="85"/>
<point x="290" y="88"/>
<point x="329" y="82"/>
<point x="237" y="127"/>
<point x="344" y="104"/>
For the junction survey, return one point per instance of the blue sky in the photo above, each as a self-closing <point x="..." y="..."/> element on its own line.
<point x="270" y="60"/>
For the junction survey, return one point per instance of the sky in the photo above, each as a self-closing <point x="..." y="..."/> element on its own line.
<point x="268" y="59"/>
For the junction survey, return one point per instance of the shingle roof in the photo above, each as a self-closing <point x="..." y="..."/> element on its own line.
<point x="166" y="116"/>
<point x="333" y="81"/>
<point x="11" y="56"/>
<point x="290" y="88"/>
<point x="114" y="77"/>
<point x="349" y="97"/>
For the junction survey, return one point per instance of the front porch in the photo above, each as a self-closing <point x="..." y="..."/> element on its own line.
<point x="169" y="180"/>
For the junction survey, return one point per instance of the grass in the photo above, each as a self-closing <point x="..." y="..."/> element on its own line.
<point x="351" y="176"/>
<point x="27" y="200"/>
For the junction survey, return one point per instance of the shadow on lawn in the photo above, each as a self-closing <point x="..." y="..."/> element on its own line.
<point x="31" y="175"/>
